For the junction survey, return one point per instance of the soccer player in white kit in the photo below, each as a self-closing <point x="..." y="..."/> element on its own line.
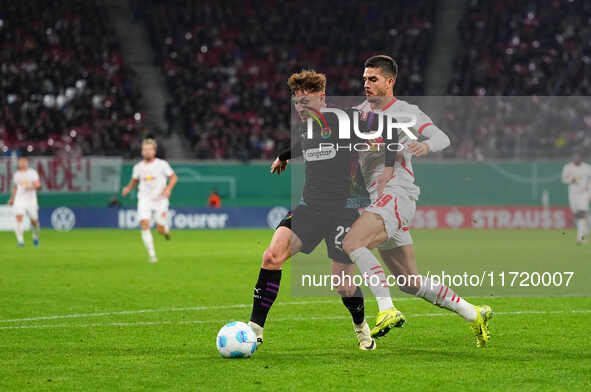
<point x="384" y="224"/>
<point x="152" y="174"/>
<point x="577" y="175"/>
<point x="24" y="200"/>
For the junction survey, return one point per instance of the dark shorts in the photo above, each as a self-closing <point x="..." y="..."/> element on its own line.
<point x="312" y="226"/>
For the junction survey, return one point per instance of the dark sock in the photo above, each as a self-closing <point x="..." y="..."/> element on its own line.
<point x="265" y="292"/>
<point x="355" y="306"/>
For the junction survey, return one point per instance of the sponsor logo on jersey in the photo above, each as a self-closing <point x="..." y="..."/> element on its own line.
<point x="319" y="154"/>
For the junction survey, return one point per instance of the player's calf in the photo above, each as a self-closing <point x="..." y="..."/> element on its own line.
<point x="164" y="230"/>
<point x="35" y="228"/>
<point x="148" y="240"/>
<point x="444" y="297"/>
<point x="582" y="227"/>
<point x="366" y="232"/>
<point x="267" y="286"/>
<point x="19" y="231"/>
<point x="272" y="260"/>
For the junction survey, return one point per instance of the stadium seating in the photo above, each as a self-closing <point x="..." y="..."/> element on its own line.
<point x="64" y="86"/>
<point x="524" y="48"/>
<point x="226" y="63"/>
<point x="513" y="48"/>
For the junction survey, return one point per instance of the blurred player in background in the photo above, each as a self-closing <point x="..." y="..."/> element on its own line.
<point x="24" y="199"/>
<point x="154" y="193"/>
<point x="214" y="200"/>
<point x="393" y="193"/>
<point x="577" y="175"/>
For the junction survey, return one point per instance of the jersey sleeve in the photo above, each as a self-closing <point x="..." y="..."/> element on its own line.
<point x="167" y="169"/>
<point x="437" y="140"/>
<point x="291" y="152"/>
<point x="135" y="175"/>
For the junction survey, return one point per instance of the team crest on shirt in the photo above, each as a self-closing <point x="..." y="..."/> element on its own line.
<point x="149" y="178"/>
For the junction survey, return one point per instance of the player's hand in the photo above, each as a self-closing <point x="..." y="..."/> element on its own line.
<point x="383" y="179"/>
<point x="278" y="166"/>
<point x="419" y="149"/>
<point x="166" y="193"/>
<point x="10" y="202"/>
<point x="125" y="191"/>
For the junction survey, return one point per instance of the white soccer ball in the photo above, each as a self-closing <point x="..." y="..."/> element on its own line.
<point x="236" y="340"/>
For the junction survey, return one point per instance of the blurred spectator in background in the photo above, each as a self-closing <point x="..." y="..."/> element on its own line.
<point x="63" y="83"/>
<point x="214" y="201"/>
<point x="114" y="202"/>
<point x="226" y="63"/>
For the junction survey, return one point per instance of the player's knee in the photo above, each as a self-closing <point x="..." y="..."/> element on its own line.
<point x="19" y="218"/>
<point x="271" y="260"/>
<point x="145" y="225"/>
<point x="160" y="229"/>
<point x="350" y="243"/>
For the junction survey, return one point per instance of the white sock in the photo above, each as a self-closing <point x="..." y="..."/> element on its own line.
<point x="445" y="297"/>
<point x="370" y="266"/>
<point x="149" y="242"/>
<point x="35" y="230"/>
<point x="18" y="230"/>
<point x="581" y="229"/>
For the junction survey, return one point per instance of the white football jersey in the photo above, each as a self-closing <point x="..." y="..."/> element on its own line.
<point x="578" y="177"/>
<point x="152" y="177"/>
<point x="22" y="179"/>
<point x="372" y="163"/>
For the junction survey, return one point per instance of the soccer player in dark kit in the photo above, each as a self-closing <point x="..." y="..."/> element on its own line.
<point x="322" y="213"/>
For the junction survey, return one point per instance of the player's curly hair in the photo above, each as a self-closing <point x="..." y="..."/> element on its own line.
<point x="307" y="80"/>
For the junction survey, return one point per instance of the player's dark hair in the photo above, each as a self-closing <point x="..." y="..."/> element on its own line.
<point x="385" y="63"/>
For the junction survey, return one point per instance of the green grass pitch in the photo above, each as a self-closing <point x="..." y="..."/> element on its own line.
<point x="85" y="311"/>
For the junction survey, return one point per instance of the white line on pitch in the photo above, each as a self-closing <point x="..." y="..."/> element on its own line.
<point x="312" y="318"/>
<point x="195" y="308"/>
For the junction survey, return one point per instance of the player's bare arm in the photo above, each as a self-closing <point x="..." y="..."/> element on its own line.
<point x="12" y="194"/>
<point x="389" y="163"/>
<point x="172" y="180"/>
<point x="419" y="149"/>
<point x="129" y="187"/>
<point x="278" y="166"/>
<point x="280" y="163"/>
<point x="36" y="185"/>
<point x="383" y="178"/>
